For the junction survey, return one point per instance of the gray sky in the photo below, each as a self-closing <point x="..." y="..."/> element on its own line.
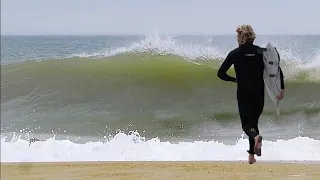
<point x="162" y="16"/>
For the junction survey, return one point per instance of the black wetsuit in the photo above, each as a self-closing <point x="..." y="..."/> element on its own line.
<point x="248" y="64"/>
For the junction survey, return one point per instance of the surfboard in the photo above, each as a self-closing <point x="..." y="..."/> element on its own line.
<point x="271" y="74"/>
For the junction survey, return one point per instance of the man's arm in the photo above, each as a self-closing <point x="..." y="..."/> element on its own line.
<point x="281" y="79"/>
<point x="280" y="97"/>
<point x="281" y="74"/>
<point x="227" y="63"/>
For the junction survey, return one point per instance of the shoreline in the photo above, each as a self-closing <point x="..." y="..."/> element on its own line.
<point x="165" y="161"/>
<point x="135" y="170"/>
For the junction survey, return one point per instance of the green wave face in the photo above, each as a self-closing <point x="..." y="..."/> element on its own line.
<point x="162" y="91"/>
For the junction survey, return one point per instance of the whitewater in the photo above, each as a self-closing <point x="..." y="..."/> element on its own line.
<point x="123" y="147"/>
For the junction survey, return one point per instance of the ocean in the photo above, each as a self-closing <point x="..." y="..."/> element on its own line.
<point x="153" y="97"/>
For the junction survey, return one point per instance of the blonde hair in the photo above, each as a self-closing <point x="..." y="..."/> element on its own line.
<point x="245" y="34"/>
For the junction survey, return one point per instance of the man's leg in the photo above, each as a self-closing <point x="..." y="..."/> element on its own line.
<point x="251" y="130"/>
<point x="252" y="139"/>
<point x="258" y="108"/>
<point x="254" y="107"/>
<point x="252" y="145"/>
<point x="251" y="158"/>
<point x="247" y="116"/>
<point x="250" y="108"/>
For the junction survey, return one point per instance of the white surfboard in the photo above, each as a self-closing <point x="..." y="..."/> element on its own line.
<point x="271" y="75"/>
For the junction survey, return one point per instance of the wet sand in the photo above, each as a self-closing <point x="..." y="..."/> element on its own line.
<point x="196" y="170"/>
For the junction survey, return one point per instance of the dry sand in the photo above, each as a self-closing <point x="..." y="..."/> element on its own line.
<point x="159" y="170"/>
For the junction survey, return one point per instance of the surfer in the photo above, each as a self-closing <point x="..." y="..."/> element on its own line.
<point x="249" y="67"/>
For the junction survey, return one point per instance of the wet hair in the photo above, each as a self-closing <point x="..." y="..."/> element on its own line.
<point x="245" y="34"/>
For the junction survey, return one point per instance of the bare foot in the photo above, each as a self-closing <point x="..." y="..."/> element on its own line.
<point x="257" y="145"/>
<point x="251" y="159"/>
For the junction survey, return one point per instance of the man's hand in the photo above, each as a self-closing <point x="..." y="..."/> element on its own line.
<point x="280" y="97"/>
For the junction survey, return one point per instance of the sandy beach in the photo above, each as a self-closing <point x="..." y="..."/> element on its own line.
<point x="159" y="170"/>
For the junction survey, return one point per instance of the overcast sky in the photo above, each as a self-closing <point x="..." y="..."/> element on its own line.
<point x="162" y="16"/>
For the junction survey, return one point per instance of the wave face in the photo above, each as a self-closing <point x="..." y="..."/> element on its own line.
<point x="159" y="86"/>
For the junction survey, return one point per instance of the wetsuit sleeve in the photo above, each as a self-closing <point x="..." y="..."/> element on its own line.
<point x="227" y="63"/>
<point x="281" y="74"/>
<point x="281" y="79"/>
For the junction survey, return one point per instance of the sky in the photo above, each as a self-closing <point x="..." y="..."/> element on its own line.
<point x="209" y="17"/>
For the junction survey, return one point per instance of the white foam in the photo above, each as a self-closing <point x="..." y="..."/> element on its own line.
<point x="312" y="68"/>
<point x="134" y="148"/>
<point x="314" y="62"/>
<point x="163" y="44"/>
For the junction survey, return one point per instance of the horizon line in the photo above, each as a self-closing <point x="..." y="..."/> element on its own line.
<point x="146" y="34"/>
